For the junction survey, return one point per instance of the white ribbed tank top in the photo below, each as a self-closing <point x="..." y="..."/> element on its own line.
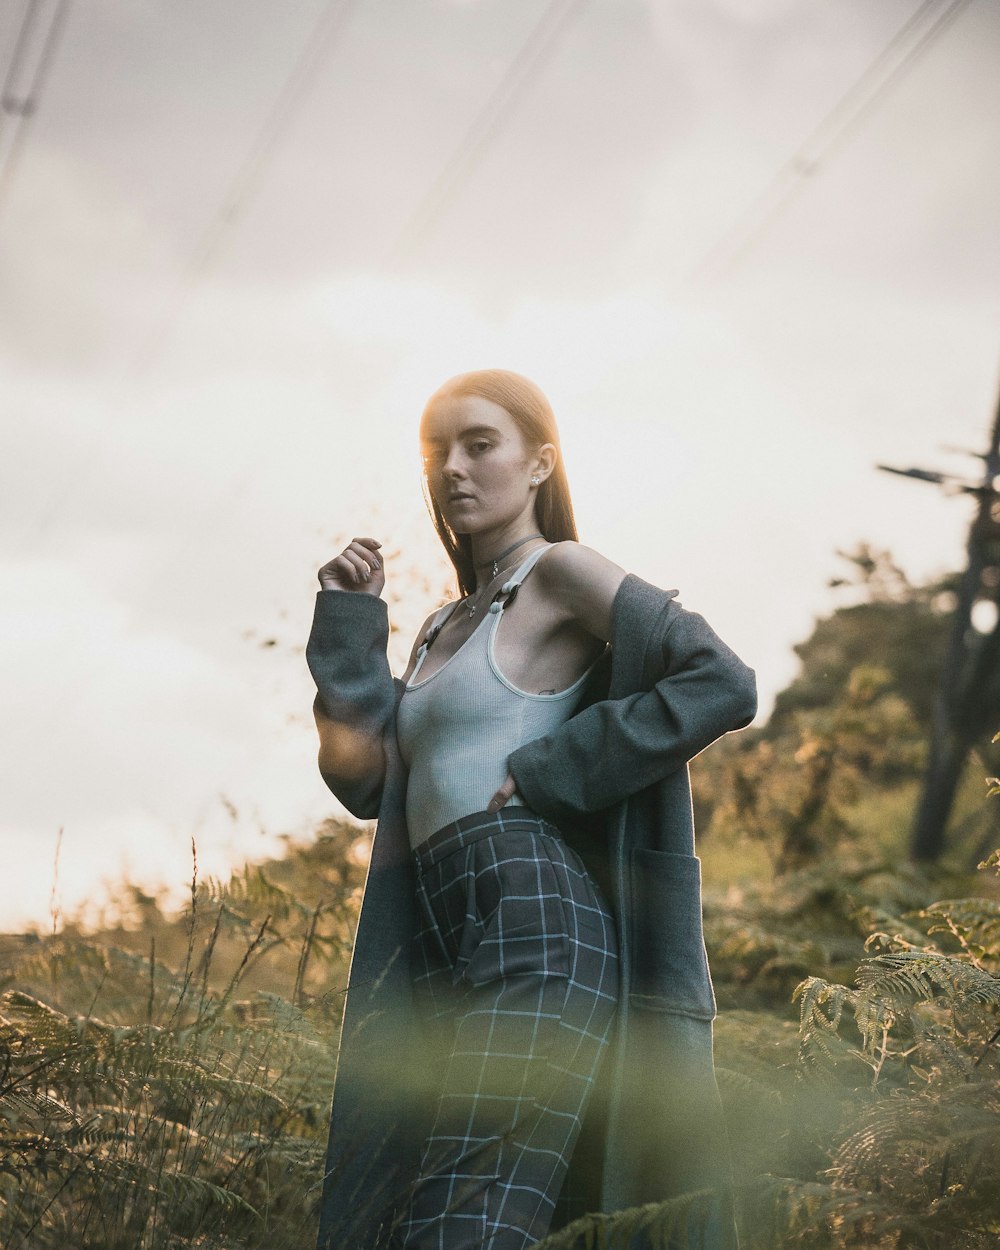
<point x="457" y="728"/>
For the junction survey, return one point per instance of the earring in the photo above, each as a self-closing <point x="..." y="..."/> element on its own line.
<point x="535" y="480"/>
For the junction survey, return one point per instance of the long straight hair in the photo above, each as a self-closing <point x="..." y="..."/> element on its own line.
<point x="532" y="413"/>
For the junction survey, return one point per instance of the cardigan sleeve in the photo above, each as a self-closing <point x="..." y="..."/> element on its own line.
<point x="356" y="695"/>
<point x="619" y="746"/>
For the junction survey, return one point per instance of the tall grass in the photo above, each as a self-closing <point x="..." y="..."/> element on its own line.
<point x="179" y="1095"/>
<point x="166" y="1082"/>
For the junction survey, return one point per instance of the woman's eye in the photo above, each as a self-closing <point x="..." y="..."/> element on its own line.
<point x="480" y="445"/>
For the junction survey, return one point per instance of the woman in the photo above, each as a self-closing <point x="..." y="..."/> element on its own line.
<point x="491" y="970"/>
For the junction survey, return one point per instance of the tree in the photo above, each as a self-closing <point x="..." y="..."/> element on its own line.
<point x="897" y="625"/>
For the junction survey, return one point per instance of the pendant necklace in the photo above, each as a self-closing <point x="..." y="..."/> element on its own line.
<point x="495" y="565"/>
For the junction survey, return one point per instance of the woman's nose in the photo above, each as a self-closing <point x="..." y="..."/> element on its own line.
<point x="453" y="466"/>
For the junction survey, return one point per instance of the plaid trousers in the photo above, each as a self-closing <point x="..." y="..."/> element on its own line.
<point x="515" y="974"/>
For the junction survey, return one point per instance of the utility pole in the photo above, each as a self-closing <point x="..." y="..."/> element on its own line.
<point x="967" y="708"/>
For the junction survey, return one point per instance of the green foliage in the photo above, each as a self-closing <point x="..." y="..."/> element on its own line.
<point x="186" y="1115"/>
<point x="797" y="793"/>
<point x="910" y="1053"/>
<point x="844" y="752"/>
<point x="144" y="1105"/>
<point x="165" y="1082"/>
<point x="898" y="626"/>
<point x="872" y="1122"/>
<point x="310" y="898"/>
<point x="671" y="1225"/>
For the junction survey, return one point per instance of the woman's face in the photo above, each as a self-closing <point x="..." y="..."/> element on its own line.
<point x="478" y="466"/>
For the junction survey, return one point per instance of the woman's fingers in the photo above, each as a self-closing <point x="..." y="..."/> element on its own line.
<point x="358" y="567"/>
<point x="360" y="547"/>
<point x="503" y="795"/>
<point x="361" y="570"/>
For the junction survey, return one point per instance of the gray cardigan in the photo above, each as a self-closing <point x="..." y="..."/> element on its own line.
<point x="614" y="779"/>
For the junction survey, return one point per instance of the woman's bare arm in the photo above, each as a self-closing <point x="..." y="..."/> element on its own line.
<point x="583" y="584"/>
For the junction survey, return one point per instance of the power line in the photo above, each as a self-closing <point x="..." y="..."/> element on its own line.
<point x="529" y="60"/>
<point x="537" y="48"/>
<point x="489" y="122"/>
<point x="10" y="104"/>
<point x="827" y="138"/>
<point x="245" y="182"/>
<point x="317" y="47"/>
<point x="27" y="107"/>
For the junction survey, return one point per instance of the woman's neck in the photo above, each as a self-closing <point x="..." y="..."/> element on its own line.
<point x="493" y="553"/>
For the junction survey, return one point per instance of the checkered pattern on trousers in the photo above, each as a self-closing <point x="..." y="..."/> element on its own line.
<point x="515" y="973"/>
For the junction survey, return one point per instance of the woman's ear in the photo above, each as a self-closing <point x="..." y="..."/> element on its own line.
<point x="546" y="458"/>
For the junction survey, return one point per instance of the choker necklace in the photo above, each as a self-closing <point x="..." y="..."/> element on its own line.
<point x="495" y="566"/>
<point x="506" y="552"/>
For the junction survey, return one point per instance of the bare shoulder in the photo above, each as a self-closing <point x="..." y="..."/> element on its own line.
<point x="584" y="583"/>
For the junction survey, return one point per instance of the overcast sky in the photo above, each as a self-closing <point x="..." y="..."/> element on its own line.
<point x="748" y="247"/>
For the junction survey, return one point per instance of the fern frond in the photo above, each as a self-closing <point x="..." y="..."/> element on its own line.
<point x="973" y="922"/>
<point x="821" y="1005"/>
<point x="897" y="976"/>
<point x="784" y="1211"/>
<point x="917" y="1148"/>
<point x="671" y="1225"/>
<point x="889" y="931"/>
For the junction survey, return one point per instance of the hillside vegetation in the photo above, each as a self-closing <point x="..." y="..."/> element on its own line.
<point x="165" y="1082"/>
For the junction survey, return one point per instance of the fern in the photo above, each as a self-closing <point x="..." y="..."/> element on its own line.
<point x="676" y="1224"/>
<point x="892" y="978"/>
<point x="136" y="1134"/>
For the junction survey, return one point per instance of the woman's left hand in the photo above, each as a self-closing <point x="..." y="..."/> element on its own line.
<point x="503" y="795"/>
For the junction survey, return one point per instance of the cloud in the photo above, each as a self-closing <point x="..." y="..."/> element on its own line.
<point x="720" y="440"/>
<point x="69" y="303"/>
<point x="125" y="735"/>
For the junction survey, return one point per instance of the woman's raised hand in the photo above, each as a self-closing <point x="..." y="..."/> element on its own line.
<point x="358" y="567"/>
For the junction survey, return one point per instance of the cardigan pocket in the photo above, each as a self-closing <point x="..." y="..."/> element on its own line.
<point x="669" y="963"/>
